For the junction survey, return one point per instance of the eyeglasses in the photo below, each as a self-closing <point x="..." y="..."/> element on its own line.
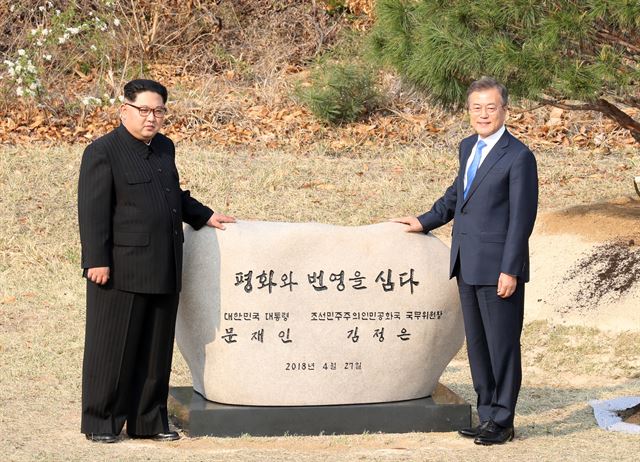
<point x="144" y="111"/>
<point x="490" y="108"/>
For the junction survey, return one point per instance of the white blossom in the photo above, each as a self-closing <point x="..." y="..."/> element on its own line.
<point x="47" y="57"/>
<point x="93" y="47"/>
<point x="62" y="39"/>
<point x="19" y="80"/>
<point x="12" y="8"/>
<point x="57" y="12"/>
<point x="33" y="86"/>
<point x="21" y="52"/>
<point x="34" y="31"/>
<point x="19" y="91"/>
<point x="45" y="32"/>
<point x="41" y="8"/>
<point x="88" y="100"/>
<point x="73" y="30"/>
<point x="39" y="42"/>
<point x="9" y="63"/>
<point x="116" y="22"/>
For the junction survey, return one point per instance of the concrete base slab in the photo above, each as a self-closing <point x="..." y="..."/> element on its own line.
<point x="444" y="411"/>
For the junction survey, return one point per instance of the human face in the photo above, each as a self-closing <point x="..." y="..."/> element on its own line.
<point x="486" y="111"/>
<point x="142" y="128"/>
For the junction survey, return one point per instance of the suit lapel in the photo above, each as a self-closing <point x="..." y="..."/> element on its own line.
<point x="499" y="150"/>
<point x="464" y="158"/>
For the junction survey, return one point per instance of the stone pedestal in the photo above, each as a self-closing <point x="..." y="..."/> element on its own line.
<point x="443" y="411"/>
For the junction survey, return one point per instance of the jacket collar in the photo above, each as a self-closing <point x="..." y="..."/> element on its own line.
<point x="133" y="144"/>
<point x="499" y="150"/>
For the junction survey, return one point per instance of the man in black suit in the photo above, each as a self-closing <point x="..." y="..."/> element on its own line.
<point x="130" y="212"/>
<point x="493" y="203"/>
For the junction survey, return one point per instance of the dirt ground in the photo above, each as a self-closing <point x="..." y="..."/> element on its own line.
<point x="577" y="346"/>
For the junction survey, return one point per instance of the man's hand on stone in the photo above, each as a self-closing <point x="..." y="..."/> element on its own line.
<point x="506" y="285"/>
<point x="414" y="224"/>
<point x="217" y="220"/>
<point x="99" y="275"/>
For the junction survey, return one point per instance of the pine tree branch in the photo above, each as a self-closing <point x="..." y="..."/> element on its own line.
<point x="605" y="35"/>
<point x="605" y="107"/>
<point x="570" y="107"/>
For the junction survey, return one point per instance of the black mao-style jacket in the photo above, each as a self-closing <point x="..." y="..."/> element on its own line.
<point x="131" y="209"/>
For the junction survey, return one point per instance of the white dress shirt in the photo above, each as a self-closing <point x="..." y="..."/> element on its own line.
<point x="490" y="142"/>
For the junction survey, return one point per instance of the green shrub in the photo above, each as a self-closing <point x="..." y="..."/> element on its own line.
<point x="340" y="93"/>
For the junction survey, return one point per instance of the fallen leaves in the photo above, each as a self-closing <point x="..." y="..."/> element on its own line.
<point x="241" y="116"/>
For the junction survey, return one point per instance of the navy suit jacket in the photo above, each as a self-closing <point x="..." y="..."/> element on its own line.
<point x="492" y="225"/>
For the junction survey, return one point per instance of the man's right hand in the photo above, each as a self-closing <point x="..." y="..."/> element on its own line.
<point x="99" y="275"/>
<point x="414" y="224"/>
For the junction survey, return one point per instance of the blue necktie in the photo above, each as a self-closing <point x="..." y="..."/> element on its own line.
<point x="473" y="168"/>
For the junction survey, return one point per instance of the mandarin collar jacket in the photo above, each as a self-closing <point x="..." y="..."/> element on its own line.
<point x="130" y="212"/>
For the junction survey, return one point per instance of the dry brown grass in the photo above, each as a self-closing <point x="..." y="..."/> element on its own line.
<point x="42" y="303"/>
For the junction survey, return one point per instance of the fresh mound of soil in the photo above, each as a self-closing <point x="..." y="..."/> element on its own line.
<point x="607" y="272"/>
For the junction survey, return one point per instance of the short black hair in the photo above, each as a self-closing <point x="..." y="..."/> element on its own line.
<point x="133" y="88"/>
<point x="486" y="83"/>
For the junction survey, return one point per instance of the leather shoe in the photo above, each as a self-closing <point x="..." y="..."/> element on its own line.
<point x="168" y="436"/>
<point x="472" y="432"/>
<point x="163" y="436"/>
<point x="494" y="434"/>
<point x="101" y="437"/>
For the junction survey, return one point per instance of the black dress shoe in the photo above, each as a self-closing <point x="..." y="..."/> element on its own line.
<point x="168" y="436"/>
<point x="494" y="434"/>
<point x="164" y="436"/>
<point x="101" y="437"/>
<point x="472" y="432"/>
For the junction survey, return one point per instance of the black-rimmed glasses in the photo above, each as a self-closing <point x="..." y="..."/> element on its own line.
<point x="144" y="111"/>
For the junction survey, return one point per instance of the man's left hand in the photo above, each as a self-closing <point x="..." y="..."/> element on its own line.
<point x="217" y="219"/>
<point x="506" y="285"/>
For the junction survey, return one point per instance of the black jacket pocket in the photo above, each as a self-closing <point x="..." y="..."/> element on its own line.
<point x="137" y="177"/>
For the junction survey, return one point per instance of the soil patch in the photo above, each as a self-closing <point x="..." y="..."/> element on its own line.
<point x="607" y="271"/>
<point x="631" y="415"/>
<point x="615" y="219"/>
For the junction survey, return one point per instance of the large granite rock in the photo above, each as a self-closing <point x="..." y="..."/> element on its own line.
<point x="290" y="314"/>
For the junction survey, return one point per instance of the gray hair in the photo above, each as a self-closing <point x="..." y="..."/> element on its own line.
<point x="486" y="83"/>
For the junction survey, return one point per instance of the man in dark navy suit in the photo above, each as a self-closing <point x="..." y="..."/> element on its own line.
<point x="130" y="211"/>
<point x="493" y="203"/>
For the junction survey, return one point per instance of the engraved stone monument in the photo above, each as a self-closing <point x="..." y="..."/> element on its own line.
<point x="308" y="314"/>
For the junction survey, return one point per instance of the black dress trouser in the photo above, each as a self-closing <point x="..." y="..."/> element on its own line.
<point x="127" y="361"/>
<point x="492" y="327"/>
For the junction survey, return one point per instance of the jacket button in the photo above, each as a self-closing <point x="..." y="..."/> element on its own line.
<point x="167" y="189"/>
<point x="174" y="210"/>
<point x="175" y="232"/>
<point x="159" y="170"/>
